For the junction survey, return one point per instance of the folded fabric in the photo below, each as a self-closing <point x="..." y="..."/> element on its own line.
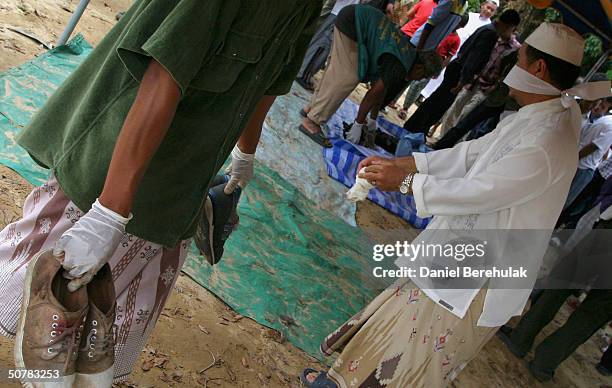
<point x="360" y="189"/>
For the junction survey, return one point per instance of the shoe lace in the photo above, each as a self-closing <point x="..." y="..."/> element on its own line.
<point x="104" y="346"/>
<point x="66" y="336"/>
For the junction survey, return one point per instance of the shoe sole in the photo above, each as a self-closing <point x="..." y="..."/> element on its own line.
<point x="211" y="229"/>
<point x="19" y="362"/>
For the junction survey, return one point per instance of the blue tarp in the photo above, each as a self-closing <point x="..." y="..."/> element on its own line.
<point x="344" y="157"/>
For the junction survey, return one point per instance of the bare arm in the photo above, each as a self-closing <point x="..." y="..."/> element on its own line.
<point x="250" y="136"/>
<point x="587" y="150"/>
<point x="143" y="131"/>
<point x="372" y="102"/>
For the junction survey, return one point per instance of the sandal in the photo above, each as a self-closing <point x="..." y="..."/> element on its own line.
<point x="303" y="113"/>
<point x="322" y="381"/>
<point x="318" y="137"/>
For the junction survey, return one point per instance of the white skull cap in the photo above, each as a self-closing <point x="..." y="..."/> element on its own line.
<point x="558" y="40"/>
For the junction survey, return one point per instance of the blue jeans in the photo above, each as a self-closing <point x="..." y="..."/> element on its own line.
<point x="581" y="180"/>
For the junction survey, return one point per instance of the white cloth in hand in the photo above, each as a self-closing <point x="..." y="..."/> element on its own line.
<point x="354" y="134"/>
<point x="360" y="189"/>
<point x="89" y="244"/>
<point x="240" y="170"/>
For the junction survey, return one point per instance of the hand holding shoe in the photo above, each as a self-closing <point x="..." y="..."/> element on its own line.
<point x="89" y="244"/>
<point x="241" y="170"/>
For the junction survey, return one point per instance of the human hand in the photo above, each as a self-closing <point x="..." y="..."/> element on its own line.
<point x="354" y="134"/>
<point x="386" y="174"/>
<point x="240" y="170"/>
<point x="89" y="244"/>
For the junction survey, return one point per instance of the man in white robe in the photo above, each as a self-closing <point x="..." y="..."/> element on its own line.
<point x="511" y="181"/>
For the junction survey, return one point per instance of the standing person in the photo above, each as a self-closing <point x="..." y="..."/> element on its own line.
<point x="320" y="46"/>
<point x="133" y="139"/>
<point x="418" y="15"/>
<point x="445" y="17"/>
<point x="494" y="105"/>
<point x="471" y="59"/>
<point x="446" y="50"/>
<point x="588" y="197"/>
<point x="485" y="82"/>
<point x="367" y="48"/>
<point x="414" y="336"/>
<point x="488" y="9"/>
<point x="595" y="141"/>
<point x="588" y="260"/>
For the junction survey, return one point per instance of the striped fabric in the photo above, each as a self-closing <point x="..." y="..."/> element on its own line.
<point x="605" y="168"/>
<point x="343" y="158"/>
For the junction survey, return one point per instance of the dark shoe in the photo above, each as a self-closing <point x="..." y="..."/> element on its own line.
<point x="96" y="361"/>
<point x="51" y="321"/>
<point x="368" y="137"/>
<point x="219" y="219"/>
<point x="504" y="333"/>
<point x="539" y="375"/>
<point x="603" y="370"/>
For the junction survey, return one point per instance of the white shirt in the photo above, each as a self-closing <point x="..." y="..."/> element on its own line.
<point x="599" y="132"/>
<point x="341" y="4"/>
<point x="516" y="177"/>
<point x="474" y="23"/>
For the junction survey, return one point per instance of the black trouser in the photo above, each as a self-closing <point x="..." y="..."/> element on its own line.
<point x="594" y="312"/>
<point x="583" y="203"/>
<point x="433" y="108"/>
<point x="481" y="113"/>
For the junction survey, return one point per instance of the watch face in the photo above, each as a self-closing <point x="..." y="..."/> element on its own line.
<point x="403" y="189"/>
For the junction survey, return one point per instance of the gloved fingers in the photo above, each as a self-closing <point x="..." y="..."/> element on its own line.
<point x="72" y="271"/>
<point x="60" y="245"/>
<point x="231" y="185"/>
<point x="77" y="283"/>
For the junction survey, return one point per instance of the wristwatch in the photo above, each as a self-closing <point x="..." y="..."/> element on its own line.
<point x="406" y="183"/>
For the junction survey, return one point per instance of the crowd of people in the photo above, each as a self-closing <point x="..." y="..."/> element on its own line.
<point x="135" y="137"/>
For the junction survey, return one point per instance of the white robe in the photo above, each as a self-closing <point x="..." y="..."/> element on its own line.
<point x="516" y="177"/>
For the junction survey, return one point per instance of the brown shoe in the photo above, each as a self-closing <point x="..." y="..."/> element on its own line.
<point x="95" y="364"/>
<point x="50" y="323"/>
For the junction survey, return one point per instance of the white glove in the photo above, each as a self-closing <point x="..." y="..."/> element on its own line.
<point x="354" y="134"/>
<point x="240" y="170"/>
<point x="89" y="244"/>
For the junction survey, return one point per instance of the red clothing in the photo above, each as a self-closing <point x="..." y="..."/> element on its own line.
<point x="449" y="46"/>
<point x="423" y="10"/>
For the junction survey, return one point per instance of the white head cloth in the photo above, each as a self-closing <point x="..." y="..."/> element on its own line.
<point x="564" y="43"/>
<point x="558" y="40"/>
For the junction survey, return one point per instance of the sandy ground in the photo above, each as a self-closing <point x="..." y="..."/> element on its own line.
<point x="198" y="340"/>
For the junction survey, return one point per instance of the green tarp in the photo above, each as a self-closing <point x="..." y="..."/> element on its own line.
<point x="289" y="265"/>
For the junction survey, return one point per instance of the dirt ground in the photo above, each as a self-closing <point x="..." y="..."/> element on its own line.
<point x="198" y="340"/>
